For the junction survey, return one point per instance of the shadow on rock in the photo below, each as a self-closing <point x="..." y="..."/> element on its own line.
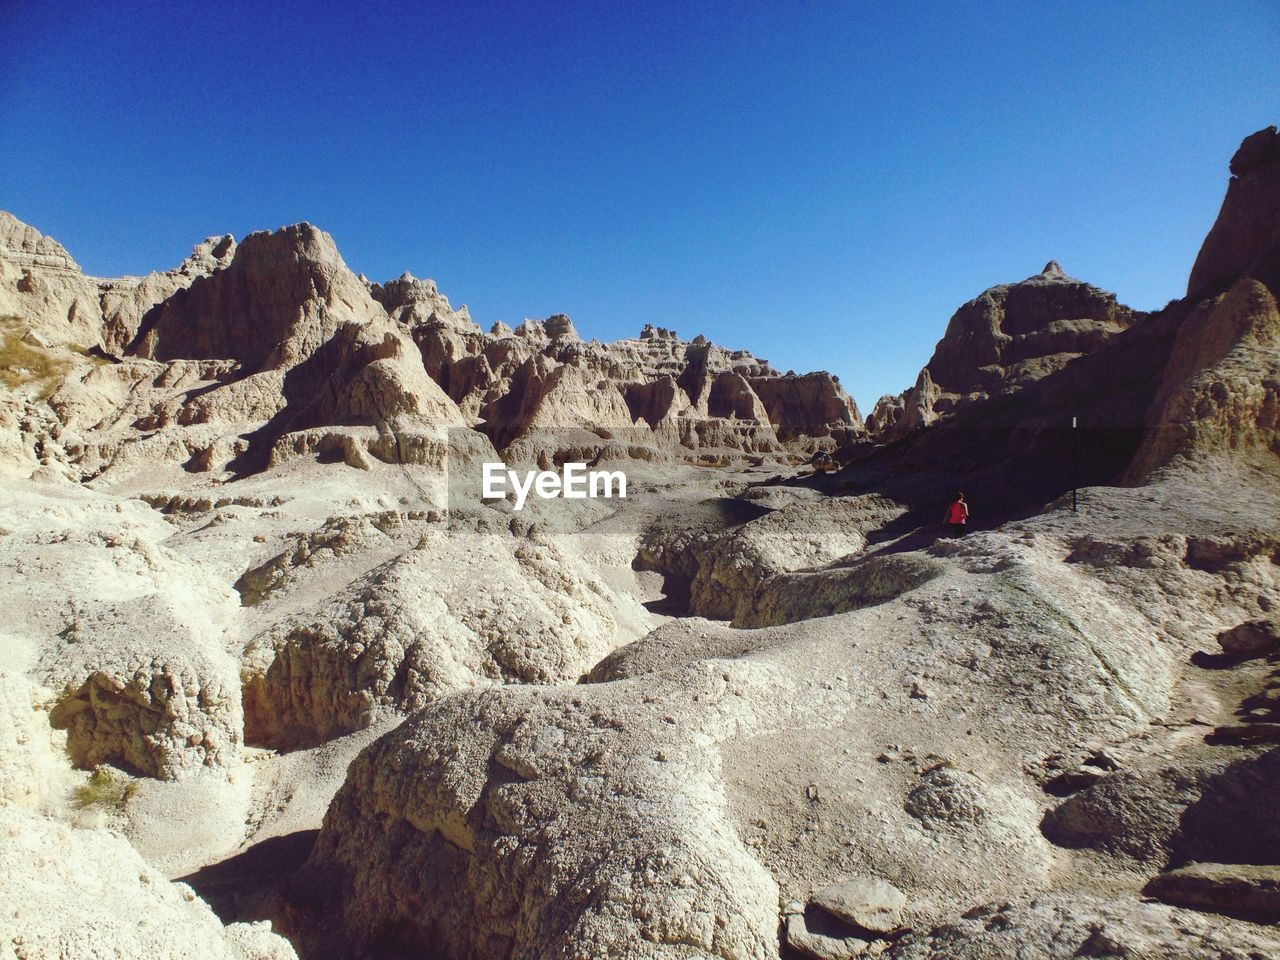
<point x="238" y="887"/>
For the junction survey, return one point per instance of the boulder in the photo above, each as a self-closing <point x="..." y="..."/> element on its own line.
<point x="1251" y="638"/>
<point x="458" y="834"/>
<point x="866" y="903"/>
<point x="822" y="937"/>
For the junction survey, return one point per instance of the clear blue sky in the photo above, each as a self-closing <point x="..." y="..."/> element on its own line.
<point x="821" y="183"/>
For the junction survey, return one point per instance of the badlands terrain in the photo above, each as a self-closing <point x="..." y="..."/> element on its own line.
<point x="277" y="681"/>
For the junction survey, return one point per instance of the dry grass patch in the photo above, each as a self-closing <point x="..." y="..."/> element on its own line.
<point x="106" y="788"/>
<point x="23" y="363"/>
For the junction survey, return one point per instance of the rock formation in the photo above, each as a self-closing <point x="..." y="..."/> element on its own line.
<point x="932" y="763"/>
<point x="1245" y="234"/>
<point x="277" y="351"/>
<point x="1004" y="339"/>
<point x="970" y="633"/>
<point x="391" y="641"/>
<point x="125" y="301"/>
<point x="43" y="288"/>
<point x="1220" y="391"/>
<point x="657" y="391"/>
<point x="149" y="701"/>
<point x="727" y="571"/>
<point x="252" y="354"/>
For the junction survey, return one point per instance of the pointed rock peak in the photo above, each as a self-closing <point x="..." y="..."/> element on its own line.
<point x="1052" y="273"/>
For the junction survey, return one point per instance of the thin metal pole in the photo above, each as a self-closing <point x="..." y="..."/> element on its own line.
<point x="1075" y="507"/>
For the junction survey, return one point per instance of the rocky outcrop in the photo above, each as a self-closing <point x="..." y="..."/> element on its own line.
<point x="1246" y="234"/>
<point x="416" y="628"/>
<point x="1219" y="393"/>
<point x="125" y="301"/>
<point x="278" y="352"/>
<point x="152" y="702"/>
<point x="282" y="297"/>
<point x="1008" y="337"/>
<point x="418" y="304"/>
<point x="845" y="585"/>
<point x="545" y="391"/>
<point x="808" y="406"/>
<point x="249" y="355"/>
<point x="158" y="719"/>
<point x="1245" y="890"/>
<point x="1211" y="810"/>
<point x="44" y="289"/>
<point x="482" y="788"/>
<point x="123" y="636"/>
<point x="728" y="569"/>
<point x="42" y="286"/>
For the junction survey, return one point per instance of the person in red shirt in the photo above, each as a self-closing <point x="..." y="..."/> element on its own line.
<point x="957" y="515"/>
